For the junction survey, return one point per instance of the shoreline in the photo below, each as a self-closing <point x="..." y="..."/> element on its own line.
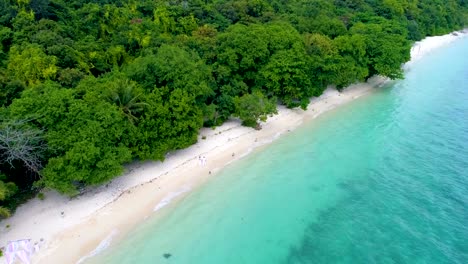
<point x="103" y="215"/>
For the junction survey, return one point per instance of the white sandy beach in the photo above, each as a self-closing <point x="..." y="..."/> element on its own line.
<point x="68" y="231"/>
<point x="427" y="45"/>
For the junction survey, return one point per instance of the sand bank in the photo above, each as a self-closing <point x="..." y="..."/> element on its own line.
<point x="70" y="231"/>
<point x="429" y="44"/>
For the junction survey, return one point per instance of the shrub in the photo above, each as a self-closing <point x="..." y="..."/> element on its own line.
<point x="41" y="196"/>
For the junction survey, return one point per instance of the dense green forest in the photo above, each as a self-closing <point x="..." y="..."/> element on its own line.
<point x="87" y="86"/>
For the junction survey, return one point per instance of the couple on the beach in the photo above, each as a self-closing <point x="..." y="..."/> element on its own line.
<point x="202" y="160"/>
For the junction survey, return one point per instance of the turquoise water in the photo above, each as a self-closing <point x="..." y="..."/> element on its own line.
<point x="383" y="179"/>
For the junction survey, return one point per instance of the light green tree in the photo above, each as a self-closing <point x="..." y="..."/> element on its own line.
<point x="30" y="64"/>
<point x="386" y="47"/>
<point x="7" y="189"/>
<point x="163" y="19"/>
<point x="254" y="107"/>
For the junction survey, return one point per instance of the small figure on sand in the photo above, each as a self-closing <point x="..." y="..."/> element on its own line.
<point x="200" y="162"/>
<point x="203" y="160"/>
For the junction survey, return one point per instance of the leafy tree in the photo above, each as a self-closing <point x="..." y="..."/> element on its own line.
<point x="351" y="64"/>
<point x="164" y="20"/>
<point x="70" y="77"/>
<point x="7" y="189"/>
<point x="286" y="76"/>
<point x="10" y="91"/>
<point x="23" y="25"/>
<point x="204" y="42"/>
<point x="254" y="107"/>
<point x="211" y="115"/>
<point x="322" y="54"/>
<point x="6" y="35"/>
<point x="45" y="105"/>
<point x="322" y="24"/>
<point x="40" y="8"/>
<point x="7" y="12"/>
<point x="243" y="50"/>
<point x="387" y="47"/>
<point x="186" y="25"/>
<point x="31" y="65"/>
<point x="174" y="68"/>
<point x="245" y="11"/>
<point x="170" y="121"/>
<point x="91" y="152"/>
<point x="224" y="108"/>
<point x="282" y="36"/>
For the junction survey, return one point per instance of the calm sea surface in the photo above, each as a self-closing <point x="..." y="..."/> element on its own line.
<point x="383" y="179"/>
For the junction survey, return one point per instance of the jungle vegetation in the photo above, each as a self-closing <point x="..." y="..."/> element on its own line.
<point x="87" y="86"/>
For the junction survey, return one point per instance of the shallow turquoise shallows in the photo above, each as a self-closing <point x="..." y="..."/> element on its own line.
<point x="383" y="179"/>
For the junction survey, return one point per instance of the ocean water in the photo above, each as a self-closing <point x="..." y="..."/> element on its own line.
<point x="383" y="179"/>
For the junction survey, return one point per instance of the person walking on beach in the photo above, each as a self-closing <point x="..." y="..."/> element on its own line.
<point x="200" y="162"/>
<point x="204" y="160"/>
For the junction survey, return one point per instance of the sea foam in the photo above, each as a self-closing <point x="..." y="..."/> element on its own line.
<point x="167" y="200"/>
<point x="105" y="243"/>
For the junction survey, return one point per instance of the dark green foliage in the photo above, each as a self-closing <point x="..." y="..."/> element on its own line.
<point x="287" y="76"/>
<point x="387" y="47"/>
<point x="10" y="91"/>
<point x="7" y="12"/>
<point x="351" y="64"/>
<point x="98" y="84"/>
<point x="91" y="151"/>
<point x="242" y="51"/>
<point x="70" y="77"/>
<point x="6" y="35"/>
<point x="174" y="68"/>
<point x="171" y="121"/>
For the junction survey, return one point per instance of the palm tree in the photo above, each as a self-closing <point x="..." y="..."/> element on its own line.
<point x="124" y="94"/>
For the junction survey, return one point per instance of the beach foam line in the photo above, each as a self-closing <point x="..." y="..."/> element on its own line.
<point x="171" y="196"/>
<point x="105" y="243"/>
